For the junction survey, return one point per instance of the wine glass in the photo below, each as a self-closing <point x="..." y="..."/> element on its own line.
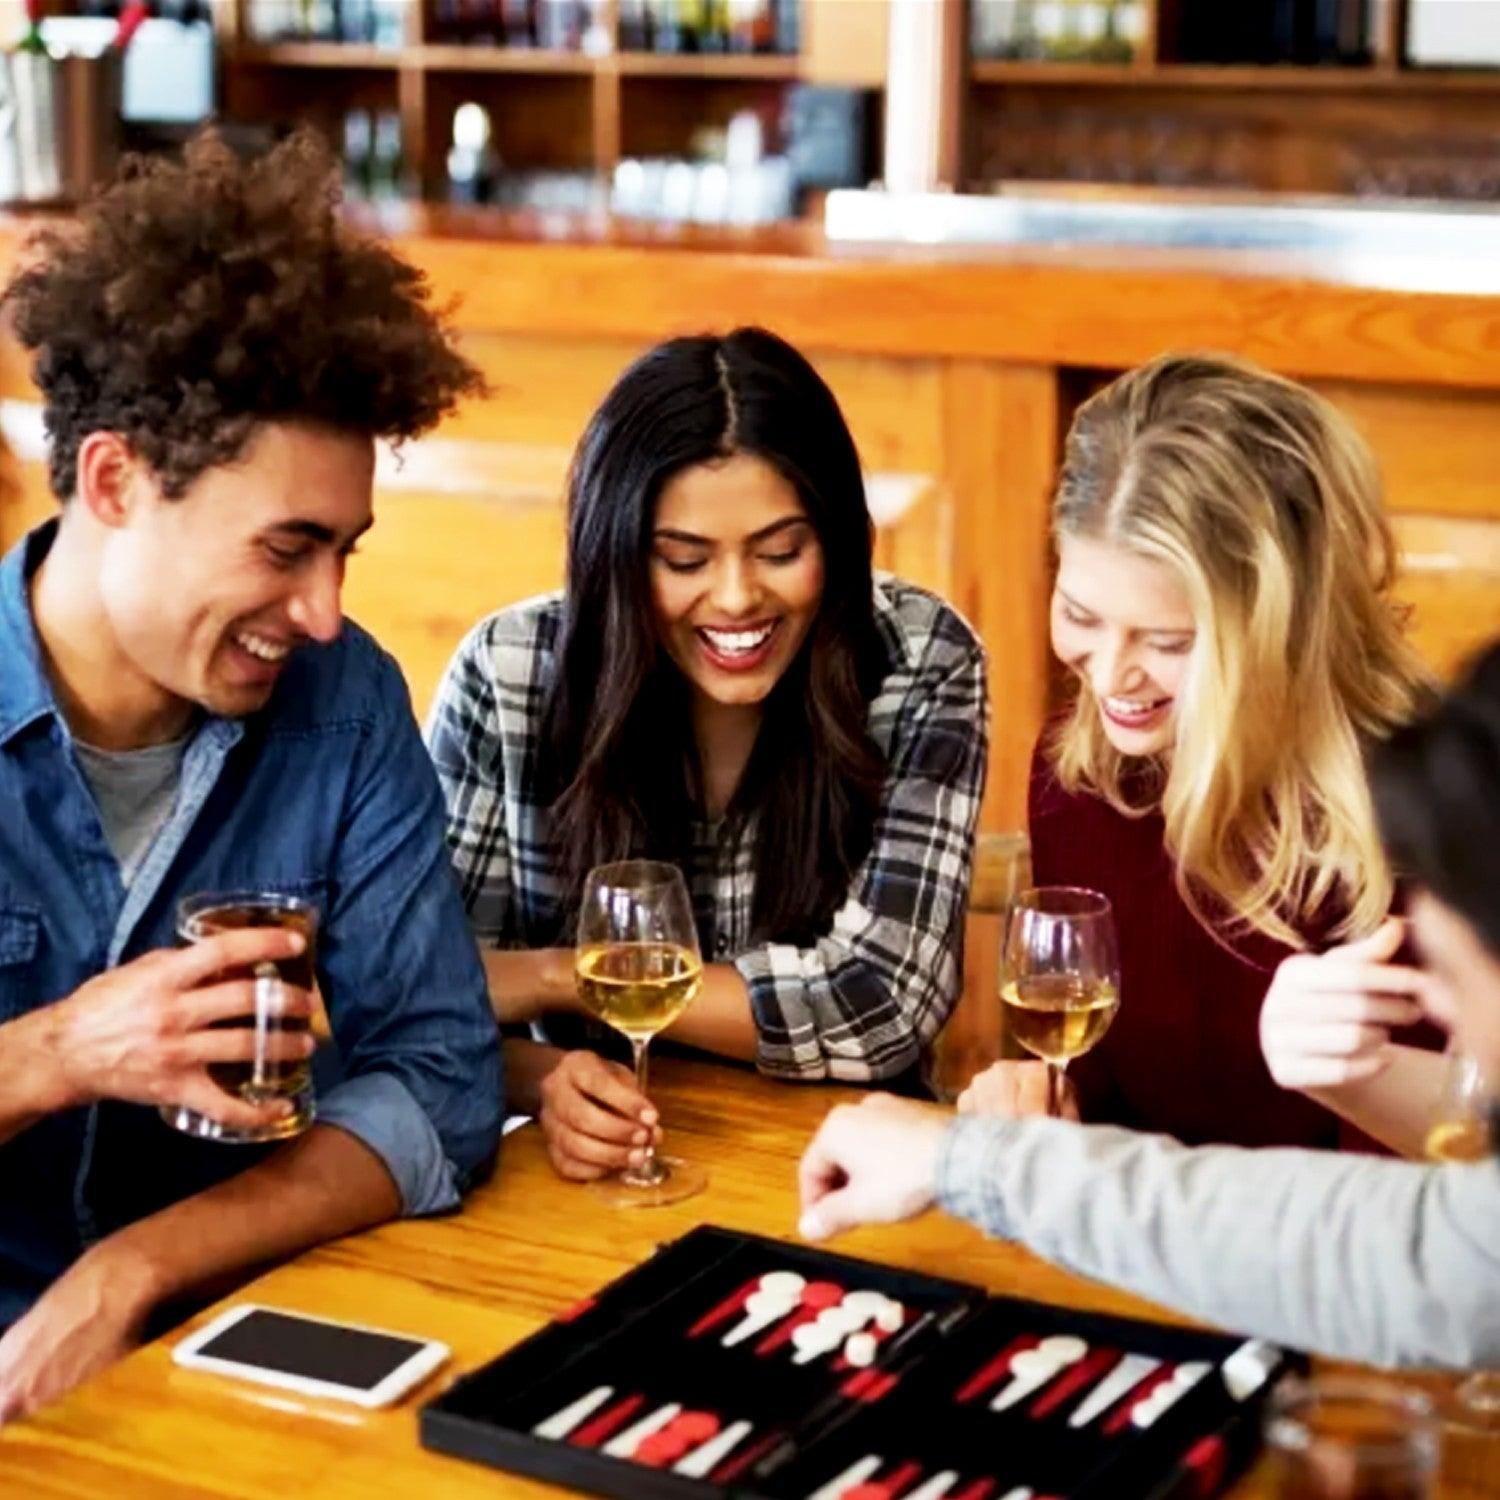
<point x="1461" y="1131"/>
<point x="1060" y="976"/>
<point x="638" y="969"/>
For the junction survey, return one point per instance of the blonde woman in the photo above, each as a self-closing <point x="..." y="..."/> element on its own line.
<point x="1223" y="606"/>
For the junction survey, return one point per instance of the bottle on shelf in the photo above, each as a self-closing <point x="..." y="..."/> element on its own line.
<point x="387" y="164"/>
<point x="559" y="25"/>
<point x="692" y="19"/>
<point x="473" y="167"/>
<point x="788" y="26"/>
<point x="1299" y="32"/>
<point x="751" y="25"/>
<point x="319" y="20"/>
<point x="359" y="148"/>
<point x="522" y="25"/>
<point x="594" y="38"/>
<point x="664" y="21"/>
<point x="714" y="29"/>
<point x="634" y="25"/>
<point x="480" y="23"/>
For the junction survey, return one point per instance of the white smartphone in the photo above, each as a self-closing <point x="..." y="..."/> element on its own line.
<point x="318" y="1357"/>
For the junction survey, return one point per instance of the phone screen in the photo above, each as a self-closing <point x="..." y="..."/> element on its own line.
<point x="315" y="1351"/>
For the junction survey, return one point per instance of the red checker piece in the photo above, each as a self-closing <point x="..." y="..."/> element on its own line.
<point x="821" y="1294"/>
<point x="697" y="1425"/>
<point x="662" y="1449"/>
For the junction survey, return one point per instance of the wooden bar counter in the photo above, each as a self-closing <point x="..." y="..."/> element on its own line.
<point x="526" y="1247"/>
<point x="959" y="372"/>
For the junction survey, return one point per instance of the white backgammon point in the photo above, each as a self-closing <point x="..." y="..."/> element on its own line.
<point x="840" y="1319"/>
<point x="865" y="1302"/>
<point x="783" y="1283"/>
<point x="813" y="1340"/>
<point x="768" y="1301"/>
<point x="1064" y="1348"/>
<point x="1033" y="1363"/>
<point x="1248" y="1368"/>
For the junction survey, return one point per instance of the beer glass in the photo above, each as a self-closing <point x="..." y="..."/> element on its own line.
<point x="1348" y="1438"/>
<point x="262" y="1079"/>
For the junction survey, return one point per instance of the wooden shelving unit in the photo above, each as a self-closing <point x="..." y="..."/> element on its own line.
<point x="1373" y="127"/>
<point x="551" y="109"/>
<point x="1155" y="119"/>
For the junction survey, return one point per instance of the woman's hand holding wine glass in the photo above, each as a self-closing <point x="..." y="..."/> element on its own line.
<point x="638" y="969"/>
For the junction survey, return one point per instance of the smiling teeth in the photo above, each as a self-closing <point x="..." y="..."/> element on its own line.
<point x="1125" y="709"/>
<point x="738" y="642"/>
<point x="259" y="646"/>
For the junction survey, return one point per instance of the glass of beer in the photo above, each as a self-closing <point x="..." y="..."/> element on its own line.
<point x="638" y="969"/>
<point x="1349" y="1438"/>
<point x="262" y="1079"/>
<point x="1059" y="976"/>
<point x="1461" y="1131"/>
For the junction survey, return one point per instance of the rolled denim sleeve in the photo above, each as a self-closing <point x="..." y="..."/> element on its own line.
<point x="419" y="1051"/>
<point x="378" y="1110"/>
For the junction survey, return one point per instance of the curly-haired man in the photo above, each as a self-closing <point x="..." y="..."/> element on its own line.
<point x="183" y="710"/>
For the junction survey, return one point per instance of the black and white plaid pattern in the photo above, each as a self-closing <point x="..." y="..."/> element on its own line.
<point x="866" y="1000"/>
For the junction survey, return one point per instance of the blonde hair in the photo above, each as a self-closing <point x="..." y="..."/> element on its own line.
<point x="1268" y="506"/>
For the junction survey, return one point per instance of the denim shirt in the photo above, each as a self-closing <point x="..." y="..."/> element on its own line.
<point x="326" y="793"/>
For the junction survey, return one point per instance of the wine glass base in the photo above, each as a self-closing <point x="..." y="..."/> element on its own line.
<point x="683" y="1179"/>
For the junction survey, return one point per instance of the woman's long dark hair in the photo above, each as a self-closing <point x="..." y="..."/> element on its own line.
<point x="621" y="763"/>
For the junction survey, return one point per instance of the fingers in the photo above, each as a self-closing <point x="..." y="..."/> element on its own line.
<point x="1007" y="1089"/>
<point x="819" y="1171"/>
<point x="595" y="1119"/>
<point x="200" y="1093"/>
<point x="234" y="999"/>
<point x="1338" y="975"/>
<point x="1330" y="1039"/>
<point x="611" y="1085"/>
<point x="1315" y="1072"/>
<point x="1380" y="944"/>
<point x="577" y="1112"/>
<point x="571" y="1167"/>
<point x="832" y="1214"/>
<point x="233" y="950"/>
<point x="242" y="1044"/>
<point x="1369" y="1010"/>
<point x="822" y="1180"/>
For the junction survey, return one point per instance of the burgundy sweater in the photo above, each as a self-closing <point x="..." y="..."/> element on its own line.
<point x="1183" y="1055"/>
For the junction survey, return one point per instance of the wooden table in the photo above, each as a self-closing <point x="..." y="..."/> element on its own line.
<point x="525" y="1247"/>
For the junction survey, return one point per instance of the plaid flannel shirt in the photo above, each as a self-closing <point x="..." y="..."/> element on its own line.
<point x="867" y="998"/>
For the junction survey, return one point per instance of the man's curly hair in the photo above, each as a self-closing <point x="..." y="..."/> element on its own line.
<point x="196" y="298"/>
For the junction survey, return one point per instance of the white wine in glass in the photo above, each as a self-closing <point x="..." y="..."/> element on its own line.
<point x="638" y="969"/>
<point x="1060" y="976"/>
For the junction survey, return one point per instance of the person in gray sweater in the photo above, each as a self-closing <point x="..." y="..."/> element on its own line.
<point x="1389" y="1262"/>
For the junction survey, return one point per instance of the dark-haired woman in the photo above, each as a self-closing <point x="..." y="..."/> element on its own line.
<point x="725" y="684"/>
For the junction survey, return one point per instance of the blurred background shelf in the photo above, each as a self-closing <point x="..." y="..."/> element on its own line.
<point x="1153" y="110"/>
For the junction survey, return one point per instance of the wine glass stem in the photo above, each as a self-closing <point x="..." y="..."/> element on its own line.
<point x="1054" y="1090"/>
<point x="648" y="1168"/>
